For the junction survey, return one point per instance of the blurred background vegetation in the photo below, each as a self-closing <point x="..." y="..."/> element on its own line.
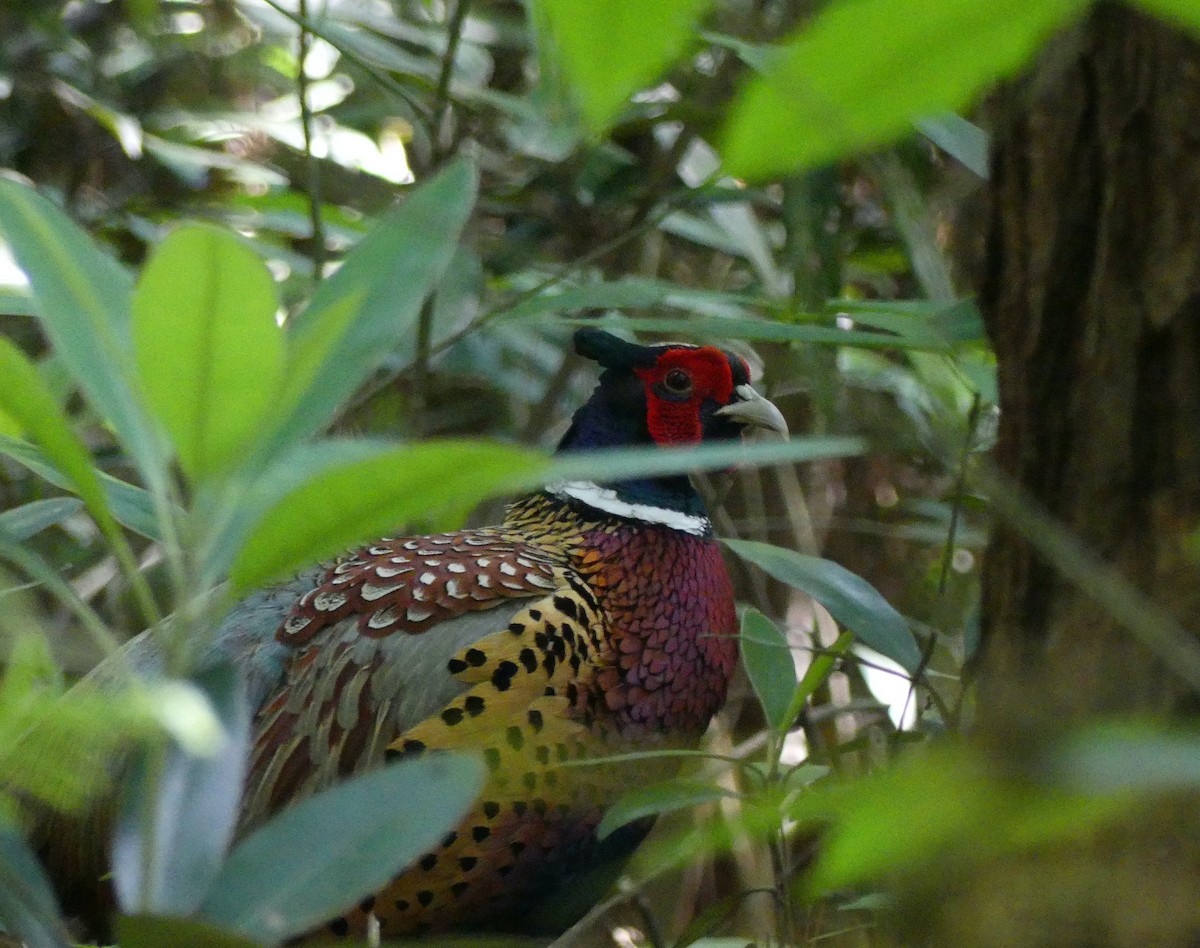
<point x="797" y="180"/>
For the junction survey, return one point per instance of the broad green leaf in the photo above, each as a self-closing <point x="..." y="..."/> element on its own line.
<point x="245" y="500"/>
<point x="1184" y="12"/>
<point x="326" y="853"/>
<point x="25" y="396"/>
<point x="131" y="505"/>
<point x="369" y="306"/>
<point x="29" y="519"/>
<point x="659" y="798"/>
<point x="155" y="931"/>
<point x="17" y="301"/>
<point x="184" y="808"/>
<point x="28" y="908"/>
<point x="82" y="296"/>
<point x="943" y="800"/>
<point x="609" y="49"/>
<point x="850" y="599"/>
<point x="355" y="502"/>
<point x="209" y="352"/>
<point x="768" y="662"/>
<point x="861" y="71"/>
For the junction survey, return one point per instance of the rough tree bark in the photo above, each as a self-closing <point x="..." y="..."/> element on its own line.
<point x="1091" y="294"/>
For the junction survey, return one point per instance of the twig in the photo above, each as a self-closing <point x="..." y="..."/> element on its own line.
<point x="444" y="139"/>
<point x="960" y="486"/>
<point x="312" y="166"/>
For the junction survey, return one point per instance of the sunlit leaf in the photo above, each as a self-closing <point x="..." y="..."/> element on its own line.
<point x="861" y="71"/>
<point x="82" y="296"/>
<point x="610" y="49"/>
<point x="209" y="352"/>
<point x="850" y="599"/>
<point x="354" y="502"/>
<point x="369" y="307"/>
<point x="768" y="662"/>
<point x="326" y="853"/>
<point x="1184" y="12"/>
<point x="25" y="396"/>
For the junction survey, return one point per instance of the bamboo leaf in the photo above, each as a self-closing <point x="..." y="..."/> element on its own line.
<point x="665" y="797"/>
<point x="82" y="296"/>
<point x="850" y="599"/>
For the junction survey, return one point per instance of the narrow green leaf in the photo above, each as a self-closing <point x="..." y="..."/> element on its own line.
<point x="659" y="798"/>
<point x="131" y="505"/>
<point x="1184" y="12"/>
<point x="187" y="804"/>
<point x="861" y="71"/>
<point x="369" y="306"/>
<point x="722" y="327"/>
<point x="25" y="396"/>
<point x="609" y="49"/>
<point x="850" y="599"/>
<point x="1115" y="759"/>
<point x="960" y="139"/>
<point x="209" y="352"/>
<point x="28" y="908"/>
<point x="29" y="519"/>
<point x="355" y="502"/>
<point x="155" y="931"/>
<point x="327" y="853"/>
<point x="82" y="296"/>
<point x="768" y="661"/>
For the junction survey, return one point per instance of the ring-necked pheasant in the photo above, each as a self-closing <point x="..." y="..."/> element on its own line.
<point x="594" y="620"/>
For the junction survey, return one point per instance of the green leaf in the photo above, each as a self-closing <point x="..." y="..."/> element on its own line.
<point x="861" y="71"/>
<point x="1114" y="759"/>
<point x="768" y="661"/>
<point x="960" y="139"/>
<point x="131" y="505"/>
<point x="759" y="329"/>
<point x="25" y="396"/>
<point x="188" y="805"/>
<point x="1184" y="12"/>
<point x="29" y="519"/>
<point x="850" y="599"/>
<point x="354" y="502"/>
<point x="370" y="305"/>
<point x="82" y="296"/>
<point x="28" y="908"/>
<point x="659" y="798"/>
<point x="155" y="931"/>
<point x="610" y="49"/>
<point x="209" y="352"/>
<point x="325" y="854"/>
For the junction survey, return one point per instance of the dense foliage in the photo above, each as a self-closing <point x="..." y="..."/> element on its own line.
<point x="240" y="338"/>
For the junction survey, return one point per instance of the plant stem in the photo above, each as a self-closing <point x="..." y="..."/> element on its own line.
<point x="445" y="142"/>
<point x="312" y="166"/>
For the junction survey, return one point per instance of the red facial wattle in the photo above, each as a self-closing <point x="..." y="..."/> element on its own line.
<point x="675" y="420"/>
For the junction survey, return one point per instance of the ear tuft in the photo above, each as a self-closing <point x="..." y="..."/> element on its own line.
<point x="611" y="351"/>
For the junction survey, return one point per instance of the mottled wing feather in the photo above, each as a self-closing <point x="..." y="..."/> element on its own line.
<point x="368" y="646"/>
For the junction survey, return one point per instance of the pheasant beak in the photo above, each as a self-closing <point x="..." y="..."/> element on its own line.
<point x="752" y="409"/>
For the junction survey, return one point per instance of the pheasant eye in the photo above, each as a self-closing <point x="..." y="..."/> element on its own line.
<point x="678" y="382"/>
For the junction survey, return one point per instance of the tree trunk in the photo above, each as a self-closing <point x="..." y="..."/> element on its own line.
<point x="1091" y="294"/>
